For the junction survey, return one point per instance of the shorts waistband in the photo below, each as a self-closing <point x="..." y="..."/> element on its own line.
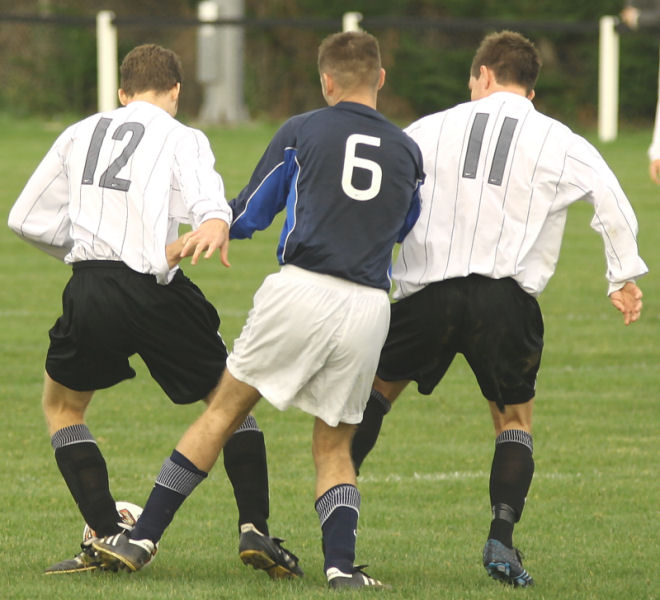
<point x="100" y="264"/>
<point x="118" y="265"/>
<point x="328" y="280"/>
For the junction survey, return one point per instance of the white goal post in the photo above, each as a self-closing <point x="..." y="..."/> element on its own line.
<point x="608" y="79"/>
<point x="106" y="61"/>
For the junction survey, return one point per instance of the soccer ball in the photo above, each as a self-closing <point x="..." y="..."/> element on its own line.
<point x="129" y="514"/>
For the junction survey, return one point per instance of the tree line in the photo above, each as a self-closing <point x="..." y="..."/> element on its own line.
<point x="427" y="47"/>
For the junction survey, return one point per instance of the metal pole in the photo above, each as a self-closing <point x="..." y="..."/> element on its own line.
<point x="608" y="79"/>
<point x="351" y="21"/>
<point x="106" y="60"/>
<point x="220" y="63"/>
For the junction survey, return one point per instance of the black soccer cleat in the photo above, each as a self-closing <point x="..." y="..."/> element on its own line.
<point x="86" y="560"/>
<point x="505" y="564"/>
<point x="356" y="579"/>
<point x="120" y="552"/>
<point x="266" y="553"/>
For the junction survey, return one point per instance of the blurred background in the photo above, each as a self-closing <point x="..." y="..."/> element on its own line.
<point x="48" y="64"/>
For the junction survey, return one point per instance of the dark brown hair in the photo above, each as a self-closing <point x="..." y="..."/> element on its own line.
<point x="150" y="67"/>
<point x="351" y="58"/>
<point x="512" y="58"/>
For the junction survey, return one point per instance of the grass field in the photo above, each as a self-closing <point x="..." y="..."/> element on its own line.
<point x="591" y="529"/>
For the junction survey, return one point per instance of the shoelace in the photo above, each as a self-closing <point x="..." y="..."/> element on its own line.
<point x="290" y="556"/>
<point x="370" y="580"/>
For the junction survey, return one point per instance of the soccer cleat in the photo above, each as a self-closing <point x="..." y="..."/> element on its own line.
<point x="358" y="578"/>
<point x="264" y="552"/>
<point x="118" y="551"/>
<point x="505" y="564"/>
<point x="86" y="560"/>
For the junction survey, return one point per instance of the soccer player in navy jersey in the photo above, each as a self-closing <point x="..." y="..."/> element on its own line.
<point x="108" y="199"/>
<point x="500" y="179"/>
<point x="348" y="180"/>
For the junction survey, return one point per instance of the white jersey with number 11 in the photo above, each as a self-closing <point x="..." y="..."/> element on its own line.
<point x="500" y="177"/>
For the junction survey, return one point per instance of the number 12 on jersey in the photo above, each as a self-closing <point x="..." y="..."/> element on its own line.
<point x="109" y="177"/>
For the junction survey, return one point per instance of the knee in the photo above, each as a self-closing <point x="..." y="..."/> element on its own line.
<point x="323" y="452"/>
<point x="62" y="406"/>
<point x="332" y="444"/>
<point x="514" y="416"/>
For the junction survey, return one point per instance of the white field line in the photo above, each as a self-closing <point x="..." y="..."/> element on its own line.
<point x="451" y="476"/>
<point x="12" y="313"/>
<point x="24" y="313"/>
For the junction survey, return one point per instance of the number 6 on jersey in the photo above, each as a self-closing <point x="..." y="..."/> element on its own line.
<point x="351" y="161"/>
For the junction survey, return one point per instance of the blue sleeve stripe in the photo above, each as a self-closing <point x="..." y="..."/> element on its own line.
<point x="292" y="201"/>
<point x="260" y="207"/>
<point x="267" y="199"/>
<point x="413" y="214"/>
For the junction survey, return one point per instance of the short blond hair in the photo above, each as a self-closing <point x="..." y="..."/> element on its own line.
<point x="351" y="58"/>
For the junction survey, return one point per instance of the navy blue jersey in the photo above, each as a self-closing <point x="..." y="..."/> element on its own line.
<point x="348" y="179"/>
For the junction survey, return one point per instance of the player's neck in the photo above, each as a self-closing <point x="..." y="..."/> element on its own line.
<point x="368" y="98"/>
<point x="168" y="101"/>
<point x="512" y="89"/>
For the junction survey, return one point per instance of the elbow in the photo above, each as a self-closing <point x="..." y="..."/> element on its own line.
<point x="14" y="223"/>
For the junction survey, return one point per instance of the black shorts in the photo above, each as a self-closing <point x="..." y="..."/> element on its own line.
<point x="492" y="322"/>
<point x="110" y="312"/>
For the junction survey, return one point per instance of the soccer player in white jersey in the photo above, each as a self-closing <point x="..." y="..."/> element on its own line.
<point x="640" y="14"/>
<point x="108" y="199"/>
<point x="347" y="179"/>
<point x="500" y="177"/>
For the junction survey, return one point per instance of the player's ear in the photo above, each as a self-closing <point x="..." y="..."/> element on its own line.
<point x="487" y="76"/>
<point x="327" y="82"/>
<point x="381" y="79"/>
<point x="327" y="86"/>
<point x="123" y="97"/>
<point x="531" y="95"/>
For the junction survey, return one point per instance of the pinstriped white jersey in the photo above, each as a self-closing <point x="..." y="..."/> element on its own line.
<point x="500" y="177"/>
<point x="116" y="186"/>
<point x="654" y="148"/>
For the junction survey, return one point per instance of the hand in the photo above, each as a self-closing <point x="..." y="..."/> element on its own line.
<point x="630" y="16"/>
<point x="212" y="235"/>
<point x="628" y="301"/>
<point x="654" y="170"/>
<point x="173" y="252"/>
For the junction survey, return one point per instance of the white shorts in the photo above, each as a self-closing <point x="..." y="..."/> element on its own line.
<point x="313" y="341"/>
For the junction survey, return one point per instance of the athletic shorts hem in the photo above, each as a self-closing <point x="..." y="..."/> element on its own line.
<point x="75" y="383"/>
<point x="282" y="402"/>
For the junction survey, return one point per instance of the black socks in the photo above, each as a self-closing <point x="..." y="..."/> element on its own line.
<point x="245" y="463"/>
<point x="510" y="478"/>
<point x="177" y="479"/>
<point x="84" y="469"/>
<point x="338" y="511"/>
<point x="367" y="431"/>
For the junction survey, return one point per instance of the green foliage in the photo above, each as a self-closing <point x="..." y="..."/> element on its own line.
<point x="590" y="525"/>
<point x="56" y="76"/>
<point x="638" y="76"/>
<point x="432" y="79"/>
<point x="427" y="66"/>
